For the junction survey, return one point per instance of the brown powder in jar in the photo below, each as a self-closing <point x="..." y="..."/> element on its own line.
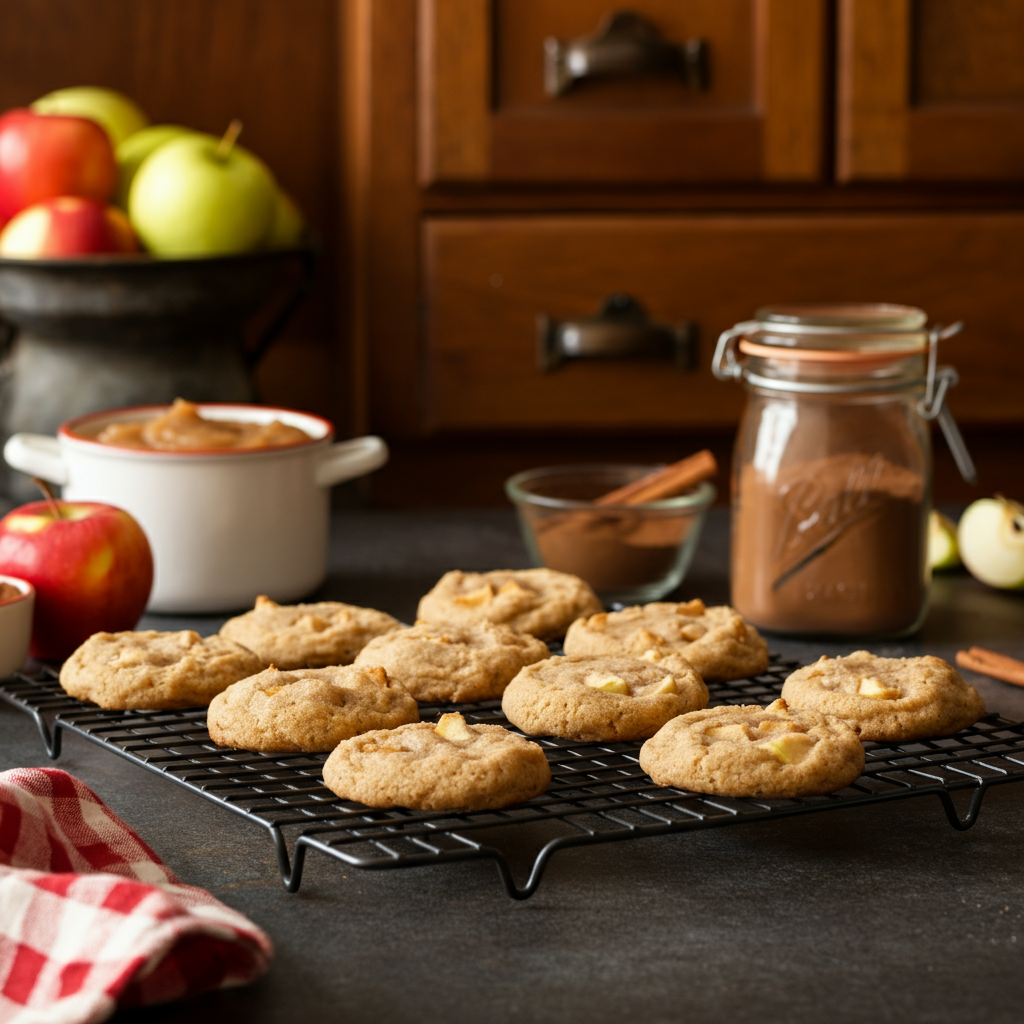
<point x="611" y="551"/>
<point x="9" y="592"/>
<point x="835" y="545"/>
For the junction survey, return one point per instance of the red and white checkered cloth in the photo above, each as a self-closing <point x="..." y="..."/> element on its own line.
<point x="91" y="920"/>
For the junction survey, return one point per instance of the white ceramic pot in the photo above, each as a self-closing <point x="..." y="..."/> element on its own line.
<point x="224" y="526"/>
<point x="16" y="626"/>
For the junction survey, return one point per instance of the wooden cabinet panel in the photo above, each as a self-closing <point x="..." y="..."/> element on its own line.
<point x="488" y="279"/>
<point x="484" y="115"/>
<point x="930" y="90"/>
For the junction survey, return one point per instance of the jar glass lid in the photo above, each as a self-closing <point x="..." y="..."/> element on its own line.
<point x="851" y="328"/>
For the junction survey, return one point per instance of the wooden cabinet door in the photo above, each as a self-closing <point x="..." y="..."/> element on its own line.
<point x="930" y="90"/>
<point x="485" y="116"/>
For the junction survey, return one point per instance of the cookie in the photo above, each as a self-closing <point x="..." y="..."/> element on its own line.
<point x="150" y="670"/>
<point x="602" y="698"/>
<point x="444" y="767"/>
<point x="307" y="635"/>
<point x="451" y="662"/>
<point x="715" y="641"/>
<point x="537" y="601"/>
<point x="887" y="698"/>
<point x="754" y="752"/>
<point x="310" y="709"/>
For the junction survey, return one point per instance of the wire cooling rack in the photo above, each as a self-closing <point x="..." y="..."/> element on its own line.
<point x="598" y="793"/>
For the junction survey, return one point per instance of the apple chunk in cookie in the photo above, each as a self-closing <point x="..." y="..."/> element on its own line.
<point x="752" y="751"/>
<point x="887" y="699"/>
<point x="602" y="698"/>
<point x="452" y="765"/>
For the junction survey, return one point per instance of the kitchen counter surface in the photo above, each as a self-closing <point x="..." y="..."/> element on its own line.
<point x="880" y="913"/>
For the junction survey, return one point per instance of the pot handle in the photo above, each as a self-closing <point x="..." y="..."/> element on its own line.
<point x="349" y="459"/>
<point x="37" y="455"/>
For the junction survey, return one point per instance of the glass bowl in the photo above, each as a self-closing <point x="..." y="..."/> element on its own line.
<point x="629" y="554"/>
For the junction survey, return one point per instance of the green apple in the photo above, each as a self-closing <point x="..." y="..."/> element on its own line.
<point x="115" y="113"/>
<point x="202" y="196"/>
<point x="287" y="225"/>
<point x="943" y="552"/>
<point x="991" y="538"/>
<point x="135" y="149"/>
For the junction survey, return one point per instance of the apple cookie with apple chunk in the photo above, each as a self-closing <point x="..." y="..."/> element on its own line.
<point x="307" y="635"/>
<point x="154" y="671"/>
<point x="538" y="601"/>
<point x="887" y="699"/>
<point x="602" y="698"/>
<point x="445" y="766"/>
<point x="445" y="661"/>
<point x="752" y="751"/>
<point x="716" y="641"/>
<point x="310" y="710"/>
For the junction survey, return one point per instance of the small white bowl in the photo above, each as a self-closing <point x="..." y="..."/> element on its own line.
<point x="15" y="626"/>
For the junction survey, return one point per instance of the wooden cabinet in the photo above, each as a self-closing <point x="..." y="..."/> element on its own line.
<point x="863" y="150"/>
<point x="842" y="149"/>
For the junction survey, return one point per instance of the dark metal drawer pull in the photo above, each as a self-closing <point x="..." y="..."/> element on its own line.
<point x="624" y="44"/>
<point x="621" y="330"/>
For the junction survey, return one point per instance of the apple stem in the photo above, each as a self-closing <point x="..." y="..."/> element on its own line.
<point x="50" y="499"/>
<point x="228" y="140"/>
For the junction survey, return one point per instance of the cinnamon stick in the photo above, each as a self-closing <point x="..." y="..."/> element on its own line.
<point x="664" y="483"/>
<point x="989" y="663"/>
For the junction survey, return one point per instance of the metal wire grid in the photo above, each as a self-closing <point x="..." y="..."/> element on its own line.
<point x="598" y="792"/>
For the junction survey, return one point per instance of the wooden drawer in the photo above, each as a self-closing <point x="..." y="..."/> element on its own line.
<point x="488" y="279"/>
<point x="485" y="115"/>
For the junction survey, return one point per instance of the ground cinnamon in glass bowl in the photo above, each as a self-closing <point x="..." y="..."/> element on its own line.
<point x="629" y="554"/>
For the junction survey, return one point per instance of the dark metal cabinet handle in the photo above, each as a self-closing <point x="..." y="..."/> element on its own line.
<point x="624" y="44"/>
<point x="621" y="330"/>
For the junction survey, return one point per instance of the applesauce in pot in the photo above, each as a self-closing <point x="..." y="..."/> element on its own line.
<point x="182" y="428"/>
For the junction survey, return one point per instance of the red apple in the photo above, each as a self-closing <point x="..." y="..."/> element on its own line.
<point x="92" y="569"/>
<point x="44" y="155"/>
<point x="67" y="226"/>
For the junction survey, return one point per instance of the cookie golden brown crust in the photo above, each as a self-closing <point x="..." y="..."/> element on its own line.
<point x="602" y="698"/>
<point x="887" y="699"/>
<point x="307" y="635"/>
<point x="151" y="670"/>
<point x="752" y="751"/>
<point x="451" y="662"/>
<point x="448" y="767"/>
<point x="716" y="641"/>
<point x="541" y="602"/>
<point x="311" y="709"/>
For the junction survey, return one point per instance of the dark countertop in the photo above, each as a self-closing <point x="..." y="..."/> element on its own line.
<point x="879" y="913"/>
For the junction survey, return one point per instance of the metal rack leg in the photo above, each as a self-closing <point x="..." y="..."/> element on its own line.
<point x="51" y="739"/>
<point x="961" y="824"/>
<point x="291" y="870"/>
